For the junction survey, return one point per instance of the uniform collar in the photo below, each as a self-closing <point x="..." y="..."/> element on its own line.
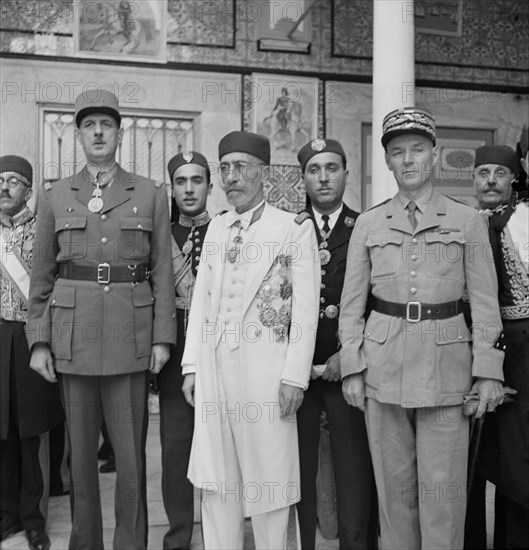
<point x="194" y="221"/>
<point x="421" y="201"/>
<point x="21" y="218"/>
<point x="106" y="176"/>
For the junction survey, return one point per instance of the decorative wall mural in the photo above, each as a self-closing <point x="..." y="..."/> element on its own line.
<point x="285" y="109"/>
<point x="121" y="29"/>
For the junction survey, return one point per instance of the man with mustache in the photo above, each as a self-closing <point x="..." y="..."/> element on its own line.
<point x="191" y="183"/>
<point x="30" y="406"/>
<point x="248" y="353"/>
<point x="101" y="315"/>
<point x="410" y="365"/>
<point x="504" y="447"/>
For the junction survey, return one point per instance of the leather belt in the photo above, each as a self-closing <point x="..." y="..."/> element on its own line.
<point x="414" y="312"/>
<point x="104" y="273"/>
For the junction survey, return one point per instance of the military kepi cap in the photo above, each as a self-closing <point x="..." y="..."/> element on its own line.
<point x="408" y="120"/>
<point x="13" y="163"/>
<point x="189" y="157"/>
<point x="497" y="154"/>
<point x="317" y="146"/>
<point x="96" y="100"/>
<point x="245" y="142"/>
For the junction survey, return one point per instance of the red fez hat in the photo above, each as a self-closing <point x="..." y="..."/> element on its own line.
<point x="408" y="120"/>
<point x="245" y="142"/>
<point x="497" y="154"/>
<point x="189" y="157"/>
<point x="317" y="146"/>
<point x="96" y="100"/>
<point x="13" y="163"/>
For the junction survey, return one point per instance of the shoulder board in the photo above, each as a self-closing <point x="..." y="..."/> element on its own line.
<point x="222" y="212"/>
<point x="377" y="205"/>
<point x="158" y="183"/>
<point x="47" y="186"/>
<point x="301" y="217"/>
<point x="456" y="200"/>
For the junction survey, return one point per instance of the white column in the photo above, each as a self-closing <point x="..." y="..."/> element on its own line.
<point x="393" y="79"/>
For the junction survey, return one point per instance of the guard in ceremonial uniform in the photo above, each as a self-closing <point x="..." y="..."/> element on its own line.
<point x="248" y="353"/>
<point x="411" y="364"/>
<point x="30" y="406"/>
<point x="325" y="175"/>
<point x="190" y="175"/>
<point x="101" y="314"/>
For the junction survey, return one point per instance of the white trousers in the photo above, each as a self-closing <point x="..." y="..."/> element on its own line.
<point x="222" y="510"/>
<point x="223" y="525"/>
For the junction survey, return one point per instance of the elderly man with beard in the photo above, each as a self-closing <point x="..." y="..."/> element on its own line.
<point x="248" y="353"/>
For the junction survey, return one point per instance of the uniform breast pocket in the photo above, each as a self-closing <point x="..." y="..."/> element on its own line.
<point x="385" y="252"/>
<point x="62" y="307"/>
<point x="135" y="238"/>
<point x="70" y="235"/>
<point x="445" y="254"/>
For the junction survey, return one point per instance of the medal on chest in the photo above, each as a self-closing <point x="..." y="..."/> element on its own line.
<point x="325" y="255"/>
<point x="95" y="204"/>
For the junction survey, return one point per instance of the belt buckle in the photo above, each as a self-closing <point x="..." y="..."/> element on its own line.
<point x="101" y="278"/>
<point x="409" y="317"/>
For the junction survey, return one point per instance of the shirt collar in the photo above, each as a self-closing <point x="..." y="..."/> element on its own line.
<point x="246" y="218"/>
<point x="106" y="176"/>
<point x="421" y="201"/>
<point x="333" y="218"/>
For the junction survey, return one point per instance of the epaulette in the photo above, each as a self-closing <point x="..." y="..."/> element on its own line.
<point x="47" y="186"/>
<point x="301" y="217"/>
<point x="377" y="205"/>
<point x="158" y="183"/>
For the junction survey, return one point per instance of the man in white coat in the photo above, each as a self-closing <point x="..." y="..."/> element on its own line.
<point x="248" y="354"/>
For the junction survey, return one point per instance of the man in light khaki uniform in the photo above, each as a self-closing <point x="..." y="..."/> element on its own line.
<point x="411" y="364"/>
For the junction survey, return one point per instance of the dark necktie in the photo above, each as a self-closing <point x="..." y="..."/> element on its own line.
<point x="411" y="214"/>
<point x="326" y="229"/>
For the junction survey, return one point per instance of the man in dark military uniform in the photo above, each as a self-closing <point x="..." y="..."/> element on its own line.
<point x="190" y="175"/>
<point x="411" y="364"/>
<point x="325" y="175"/>
<point x="30" y="406"/>
<point x="101" y="314"/>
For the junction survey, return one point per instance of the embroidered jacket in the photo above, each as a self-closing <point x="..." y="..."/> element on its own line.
<point x="21" y="228"/>
<point x="513" y="277"/>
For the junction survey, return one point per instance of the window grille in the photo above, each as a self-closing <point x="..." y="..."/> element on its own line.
<point x="149" y="141"/>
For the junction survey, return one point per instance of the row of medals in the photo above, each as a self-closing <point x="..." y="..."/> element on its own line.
<point x="331" y="312"/>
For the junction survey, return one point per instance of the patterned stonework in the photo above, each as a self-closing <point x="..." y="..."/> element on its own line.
<point x="492" y="50"/>
<point x="285" y="188"/>
<point x="201" y="22"/>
